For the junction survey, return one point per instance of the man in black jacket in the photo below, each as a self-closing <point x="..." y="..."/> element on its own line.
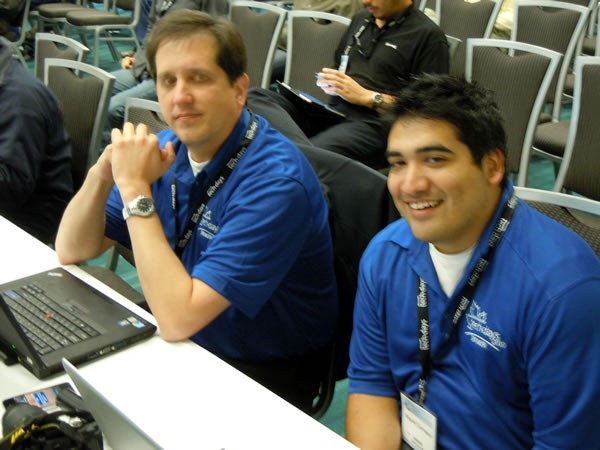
<point x="35" y="151"/>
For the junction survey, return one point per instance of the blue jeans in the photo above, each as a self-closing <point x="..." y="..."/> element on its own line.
<point x="126" y="86"/>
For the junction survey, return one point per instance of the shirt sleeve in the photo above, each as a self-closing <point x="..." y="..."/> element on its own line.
<point x="260" y="237"/>
<point x="434" y="56"/>
<point x="369" y="370"/>
<point x="561" y="353"/>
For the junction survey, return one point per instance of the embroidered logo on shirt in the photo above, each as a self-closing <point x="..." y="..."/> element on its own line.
<point x="206" y="227"/>
<point x="478" y="330"/>
<point x="394" y="46"/>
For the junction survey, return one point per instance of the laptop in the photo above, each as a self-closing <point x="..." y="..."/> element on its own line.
<point x="53" y="315"/>
<point x="118" y="429"/>
<point x="312" y="106"/>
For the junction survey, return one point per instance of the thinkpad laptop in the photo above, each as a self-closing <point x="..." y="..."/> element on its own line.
<point x="53" y="315"/>
<point x="118" y="429"/>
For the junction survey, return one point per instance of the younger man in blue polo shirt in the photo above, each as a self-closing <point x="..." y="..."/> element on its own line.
<point x="226" y="219"/>
<point x="476" y="317"/>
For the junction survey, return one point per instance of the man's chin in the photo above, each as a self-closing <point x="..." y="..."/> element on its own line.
<point x="424" y="233"/>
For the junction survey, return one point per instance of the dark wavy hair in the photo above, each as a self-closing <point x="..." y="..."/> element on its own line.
<point x="183" y="23"/>
<point x="470" y="108"/>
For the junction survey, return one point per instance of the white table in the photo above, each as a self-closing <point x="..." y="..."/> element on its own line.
<point x="165" y="387"/>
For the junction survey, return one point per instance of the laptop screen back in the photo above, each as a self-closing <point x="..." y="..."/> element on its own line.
<point x="118" y="429"/>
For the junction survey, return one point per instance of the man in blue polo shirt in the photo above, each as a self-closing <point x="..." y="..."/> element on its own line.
<point x="226" y="219"/>
<point x="476" y="317"/>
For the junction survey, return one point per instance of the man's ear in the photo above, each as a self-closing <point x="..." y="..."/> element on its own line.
<point x="494" y="166"/>
<point x="241" y="87"/>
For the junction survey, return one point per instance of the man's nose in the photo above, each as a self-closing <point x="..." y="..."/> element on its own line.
<point x="182" y="92"/>
<point x="413" y="179"/>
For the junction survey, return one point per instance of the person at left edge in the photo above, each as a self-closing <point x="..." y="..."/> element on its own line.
<point x="254" y="283"/>
<point x="35" y="151"/>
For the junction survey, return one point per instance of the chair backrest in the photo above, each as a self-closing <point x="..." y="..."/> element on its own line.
<point x="590" y="31"/>
<point x="312" y="39"/>
<point x="84" y="92"/>
<point x="555" y="25"/>
<point x="139" y="110"/>
<point x="579" y="171"/>
<point x="126" y="5"/>
<point x="594" y="28"/>
<point x="109" y="27"/>
<point x="519" y="83"/>
<point x="465" y="20"/>
<point x="359" y="207"/>
<point x="580" y="214"/>
<point x="50" y="45"/>
<point x="453" y="44"/>
<point x="593" y="35"/>
<point x="260" y="25"/>
<point x="434" y="5"/>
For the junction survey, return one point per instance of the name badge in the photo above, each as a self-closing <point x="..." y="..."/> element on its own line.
<point x="419" y="425"/>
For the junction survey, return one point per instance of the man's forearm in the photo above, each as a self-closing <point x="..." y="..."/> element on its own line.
<point x="181" y="305"/>
<point x="373" y="422"/>
<point x="81" y="231"/>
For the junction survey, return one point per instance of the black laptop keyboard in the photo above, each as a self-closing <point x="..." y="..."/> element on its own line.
<point x="48" y="325"/>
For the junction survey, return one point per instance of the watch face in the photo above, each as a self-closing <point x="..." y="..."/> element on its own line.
<point x="145" y="205"/>
<point x="377" y="99"/>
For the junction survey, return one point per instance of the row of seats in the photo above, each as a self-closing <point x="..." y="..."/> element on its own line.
<point x="318" y="33"/>
<point x="528" y="73"/>
<point x="116" y="20"/>
<point x="525" y="85"/>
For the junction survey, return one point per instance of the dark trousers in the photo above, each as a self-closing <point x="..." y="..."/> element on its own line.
<point x="362" y="136"/>
<point x="296" y="381"/>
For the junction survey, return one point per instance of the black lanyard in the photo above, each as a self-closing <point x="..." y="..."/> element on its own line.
<point x="182" y="239"/>
<point x="356" y="38"/>
<point x="463" y="300"/>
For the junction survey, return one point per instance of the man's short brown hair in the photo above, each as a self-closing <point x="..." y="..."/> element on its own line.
<point x="182" y="24"/>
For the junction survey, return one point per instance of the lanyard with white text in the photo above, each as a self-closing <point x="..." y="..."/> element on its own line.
<point x="183" y="238"/>
<point x="463" y="300"/>
<point x="356" y="38"/>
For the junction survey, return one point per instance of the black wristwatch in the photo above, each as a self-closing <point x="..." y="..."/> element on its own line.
<point x="139" y="206"/>
<point x="377" y="100"/>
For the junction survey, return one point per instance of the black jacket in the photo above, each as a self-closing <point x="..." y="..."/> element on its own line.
<point x="35" y="151"/>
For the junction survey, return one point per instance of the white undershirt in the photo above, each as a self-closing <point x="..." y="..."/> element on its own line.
<point x="450" y="268"/>
<point x="196" y="166"/>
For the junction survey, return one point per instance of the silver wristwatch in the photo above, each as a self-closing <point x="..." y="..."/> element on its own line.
<point x="139" y="206"/>
<point x="377" y="100"/>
